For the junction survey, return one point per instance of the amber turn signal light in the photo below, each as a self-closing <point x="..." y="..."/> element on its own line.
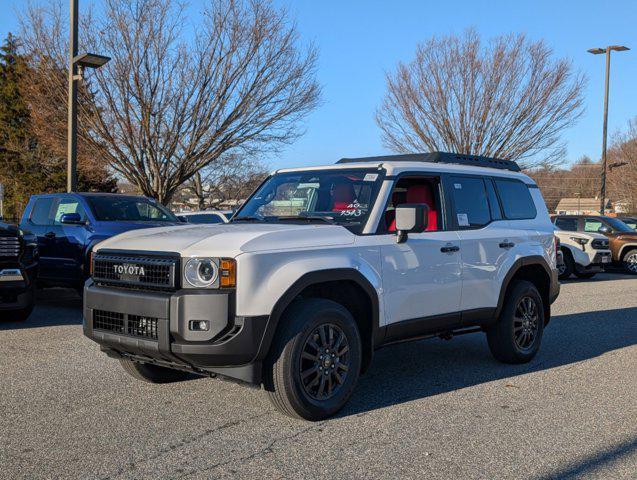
<point x="228" y="273"/>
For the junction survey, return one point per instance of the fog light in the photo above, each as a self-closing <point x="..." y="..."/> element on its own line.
<point x="199" y="325"/>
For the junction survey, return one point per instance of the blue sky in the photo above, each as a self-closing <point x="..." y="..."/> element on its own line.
<point x="360" y="40"/>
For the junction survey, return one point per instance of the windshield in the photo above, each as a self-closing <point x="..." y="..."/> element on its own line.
<point x="618" y="225"/>
<point x="129" y="209"/>
<point x="344" y="197"/>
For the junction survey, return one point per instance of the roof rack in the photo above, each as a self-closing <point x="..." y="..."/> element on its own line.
<point x="441" y="157"/>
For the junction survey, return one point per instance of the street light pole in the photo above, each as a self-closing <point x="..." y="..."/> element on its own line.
<point x="597" y="51"/>
<point x="77" y="65"/>
<point x="71" y="141"/>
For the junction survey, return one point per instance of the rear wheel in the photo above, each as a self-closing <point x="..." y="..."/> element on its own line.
<point x="630" y="261"/>
<point x="517" y="335"/>
<point x="315" y="362"/>
<point x="568" y="266"/>
<point x="147" y="372"/>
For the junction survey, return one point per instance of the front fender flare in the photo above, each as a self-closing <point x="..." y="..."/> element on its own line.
<point x="312" y="278"/>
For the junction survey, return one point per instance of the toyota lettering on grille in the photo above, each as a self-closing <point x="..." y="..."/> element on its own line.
<point x="128" y="270"/>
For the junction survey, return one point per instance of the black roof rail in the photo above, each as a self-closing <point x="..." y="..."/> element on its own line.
<point x="441" y="157"/>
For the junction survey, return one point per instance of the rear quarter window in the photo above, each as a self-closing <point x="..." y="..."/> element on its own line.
<point x="517" y="203"/>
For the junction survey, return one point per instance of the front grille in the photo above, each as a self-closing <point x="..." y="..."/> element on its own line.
<point x="9" y="247"/>
<point x="142" y="326"/>
<point x="599" y="244"/>
<point x="110" y="321"/>
<point x="135" y="325"/>
<point x="141" y="272"/>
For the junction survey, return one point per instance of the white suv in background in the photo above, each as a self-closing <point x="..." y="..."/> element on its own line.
<point x="322" y="266"/>
<point x="585" y="254"/>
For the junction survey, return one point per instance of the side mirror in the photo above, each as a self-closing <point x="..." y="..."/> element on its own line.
<point x="182" y="218"/>
<point x="604" y="229"/>
<point x="71" y="219"/>
<point x="410" y="217"/>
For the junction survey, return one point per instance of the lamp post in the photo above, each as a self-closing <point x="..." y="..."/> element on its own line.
<point x="598" y="51"/>
<point x="77" y="64"/>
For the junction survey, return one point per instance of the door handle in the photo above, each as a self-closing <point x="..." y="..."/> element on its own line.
<point x="450" y="249"/>
<point x="507" y="245"/>
<point x="50" y="235"/>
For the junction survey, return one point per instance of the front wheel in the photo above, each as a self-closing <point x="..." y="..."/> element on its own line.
<point x="315" y="361"/>
<point x="629" y="261"/>
<point x="517" y="335"/>
<point x="566" y="269"/>
<point x="147" y="372"/>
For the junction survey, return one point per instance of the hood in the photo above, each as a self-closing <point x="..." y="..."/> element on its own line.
<point x="229" y="240"/>
<point x="568" y="234"/>
<point x="114" y="228"/>
<point x="624" y="236"/>
<point x="7" y="228"/>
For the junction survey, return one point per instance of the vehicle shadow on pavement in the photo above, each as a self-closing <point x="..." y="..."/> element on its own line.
<point x="594" y="462"/>
<point x="53" y="307"/>
<point x="425" y="368"/>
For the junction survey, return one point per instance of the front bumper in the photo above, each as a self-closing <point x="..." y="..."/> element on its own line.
<point x="597" y="263"/>
<point x="154" y="327"/>
<point x="17" y="294"/>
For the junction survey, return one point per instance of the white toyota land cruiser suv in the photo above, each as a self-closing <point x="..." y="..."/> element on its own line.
<point x="322" y="266"/>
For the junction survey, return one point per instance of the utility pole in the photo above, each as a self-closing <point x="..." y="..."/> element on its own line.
<point x="597" y="51"/>
<point x="71" y="141"/>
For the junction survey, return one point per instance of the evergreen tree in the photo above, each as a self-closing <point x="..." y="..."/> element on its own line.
<point x="15" y="141"/>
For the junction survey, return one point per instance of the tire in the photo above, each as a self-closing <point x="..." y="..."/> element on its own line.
<point x="585" y="275"/>
<point x="294" y="369"/>
<point x="629" y="261"/>
<point x="19" y="315"/>
<point x="505" y="337"/>
<point x="152" y="373"/>
<point x="569" y="266"/>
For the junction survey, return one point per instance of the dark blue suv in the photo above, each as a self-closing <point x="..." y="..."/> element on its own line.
<point x="68" y="225"/>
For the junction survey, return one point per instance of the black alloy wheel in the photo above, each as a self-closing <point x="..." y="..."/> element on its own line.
<point x="526" y="323"/>
<point x="324" y="362"/>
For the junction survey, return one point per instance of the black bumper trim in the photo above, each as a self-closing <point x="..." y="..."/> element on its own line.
<point x="232" y="353"/>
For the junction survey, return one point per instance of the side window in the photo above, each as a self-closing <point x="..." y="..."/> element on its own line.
<point x="494" y="203"/>
<point x="42" y="212"/>
<point x="517" y="202"/>
<point x="471" y="202"/>
<point x="592" y="225"/>
<point x="568" y="224"/>
<point x="413" y="189"/>
<point x="67" y="205"/>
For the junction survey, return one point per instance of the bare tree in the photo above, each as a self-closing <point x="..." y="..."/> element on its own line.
<point x="507" y="99"/>
<point x="230" y="179"/>
<point x="622" y="179"/>
<point x="164" y="108"/>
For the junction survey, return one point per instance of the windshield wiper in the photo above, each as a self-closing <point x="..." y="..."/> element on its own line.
<point x="308" y="218"/>
<point x="247" y="219"/>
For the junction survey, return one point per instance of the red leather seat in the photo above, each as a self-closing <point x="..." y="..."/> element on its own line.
<point x="342" y="197"/>
<point x="421" y="194"/>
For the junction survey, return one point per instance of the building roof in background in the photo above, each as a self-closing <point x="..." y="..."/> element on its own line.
<point x="583" y="205"/>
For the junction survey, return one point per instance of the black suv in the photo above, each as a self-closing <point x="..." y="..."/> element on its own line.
<point x="18" y="271"/>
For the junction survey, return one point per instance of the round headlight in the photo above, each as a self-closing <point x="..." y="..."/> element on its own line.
<point x="201" y="272"/>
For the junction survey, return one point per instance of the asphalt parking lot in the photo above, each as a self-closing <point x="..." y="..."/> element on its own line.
<point x="427" y="409"/>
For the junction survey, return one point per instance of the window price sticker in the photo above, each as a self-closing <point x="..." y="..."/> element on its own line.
<point x="463" y="220"/>
<point x="370" y="177"/>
